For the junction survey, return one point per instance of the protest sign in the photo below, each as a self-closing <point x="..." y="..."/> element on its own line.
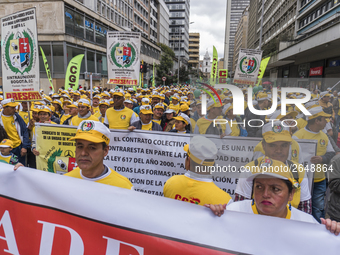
<point x="248" y="66"/>
<point x="150" y="159"/>
<point x="20" y="56"/>
<point x="123" y="54"/>
<point x="42" y="213"/>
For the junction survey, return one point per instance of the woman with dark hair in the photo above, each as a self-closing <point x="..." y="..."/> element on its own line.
<point x="273" y="190"/>
<point x="167" y="120"/>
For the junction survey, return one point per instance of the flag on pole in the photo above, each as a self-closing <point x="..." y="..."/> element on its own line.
<point x="213" y="73"/>
<point x="72" y="73"/>
<point x="48" y="72"/>
<point x="263" y="67"/>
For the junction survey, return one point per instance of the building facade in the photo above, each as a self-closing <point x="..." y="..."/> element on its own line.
<point x="205" y="65"/>
<point x="194" y="49"/>
<point x="237" y="8"/>
<point x="164" y="23"/>
<point x="67" y="28"/>
<point x="241" y="36"/>
<point x="306" y="52"/>
<point x="179" y="28"/>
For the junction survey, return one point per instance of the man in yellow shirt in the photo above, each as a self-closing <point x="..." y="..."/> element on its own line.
<point x="119" y="116"/>
<point x="103" y="106"/>
<point x="84" y="113"/>
<point x="24" y="111"/>
<point x="92" y="140"/>
<point x="158" y="111"/>
<point x="196" y="185"/>
<point x="324" y="153"/>
<point x="145" y="122"/>
<point x="16" y="129"/>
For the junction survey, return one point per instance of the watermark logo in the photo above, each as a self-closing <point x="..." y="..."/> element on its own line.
<point x="238" y="102"/>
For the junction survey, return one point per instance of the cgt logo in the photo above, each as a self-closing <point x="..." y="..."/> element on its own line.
<point x="238" y="102"/>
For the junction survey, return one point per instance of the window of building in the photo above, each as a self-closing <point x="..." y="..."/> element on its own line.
<point x="89" y="29"/>
<point x="101" y="64"/>
<point x="90" y="62"/>
<point x="58" y="59"/>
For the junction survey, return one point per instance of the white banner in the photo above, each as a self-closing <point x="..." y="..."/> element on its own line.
<point x="20" y="56"/>
<point x="149" y="159"/>
<point x="123" y="58"/>
<point x="44" y="213"/>
<point x="248" y="66"/>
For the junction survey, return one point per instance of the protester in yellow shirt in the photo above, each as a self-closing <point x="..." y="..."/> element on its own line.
<point x="6" y="156"/>
<point x="119" y="116"/>
<point x="92" y="140"/>
<point x="24" y="112"/>
<point x="84" y="113"/>
<point x="103" y="106"/>
<point x="196" y="185"/>
<point x="16" y="129"/>
<point x="158" y="111"/>
<point x="145" y="122"/>
<point x="324" y="153"/>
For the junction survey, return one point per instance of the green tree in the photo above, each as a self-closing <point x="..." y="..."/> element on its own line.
<point x="165" y="66"/>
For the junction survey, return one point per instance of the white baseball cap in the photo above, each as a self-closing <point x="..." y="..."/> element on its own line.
<point x="201" y="150"/>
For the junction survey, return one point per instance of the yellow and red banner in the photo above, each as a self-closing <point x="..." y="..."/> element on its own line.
<point x="73" y="72"/>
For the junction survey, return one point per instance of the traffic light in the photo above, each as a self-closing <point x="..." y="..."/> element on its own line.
<point x="141" y="68"/>
<point x="145" y="68"/>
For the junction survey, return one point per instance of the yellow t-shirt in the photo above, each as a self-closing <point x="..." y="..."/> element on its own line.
<point x="111" y="178"/>
<point x="119" y="119"/>
<point x="24" y="116"/>
<point x="97" y="114"/>
<point x="157" y="121"/>
<point x="11" y="130"/>
<point x="64" y="117"/>
<point x="235" y="129"/>
<point x="301" y="173"/>
<point x="301" y="123"/>
<point x="322" y="139"/>
<point x="9" y="159"/>
<point x="95" y="110"/>
<point x="193" y="124"/>
<point x="75" y="121"/>
<point x="184" y="188"/>
<point x="175" y="107"/>
<point x="147" y="127"/>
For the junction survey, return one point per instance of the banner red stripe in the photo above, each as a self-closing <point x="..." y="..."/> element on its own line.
<point x="28" y="221"/>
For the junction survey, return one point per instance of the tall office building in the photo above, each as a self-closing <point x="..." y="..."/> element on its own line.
<point x="179" y="28"/>
<point x="194" y="49"/>
<point x="237" y="8"/>
<point x="241" y="36"/>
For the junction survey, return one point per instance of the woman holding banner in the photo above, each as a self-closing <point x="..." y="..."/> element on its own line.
<point x="273" y="190"/>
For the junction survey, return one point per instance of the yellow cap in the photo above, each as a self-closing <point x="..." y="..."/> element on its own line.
<point x="146" y="109"/>
<point x="6" y="143"/>
<point x="93" y="131"/>
<point x="9" y="102"/>
<point x="272" y="168"/>
<point x="182" y="117"/>
<point x="276" y="132"/>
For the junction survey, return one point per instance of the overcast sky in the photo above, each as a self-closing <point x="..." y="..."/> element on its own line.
<point x="209" y="18"/>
